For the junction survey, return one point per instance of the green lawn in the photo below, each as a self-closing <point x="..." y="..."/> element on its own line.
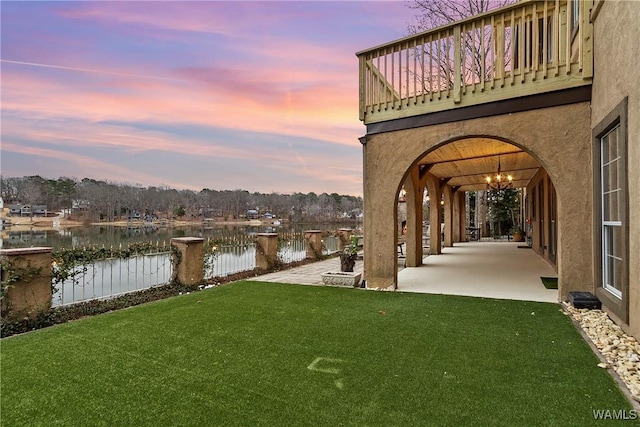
<point x="550" y="282"/>
<point x="254" y="353"/>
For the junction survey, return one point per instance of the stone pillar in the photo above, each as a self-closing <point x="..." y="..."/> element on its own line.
<point x="435" y="217"/>
<point x="189" y="270"/>
<point x="344" y="238"/>
<point x="313" y="238"/>
<point x="462" y="218"/>
<point x="457" y="216"/>
<point x="546" y="229"/>
<point x="31" y="293"/>
<point x="380" y="207"/>
<point x="481" y="214"/>
<point x="448" y="215"/>
<point x="266" y="250"/>
<point x="413" y="238"/>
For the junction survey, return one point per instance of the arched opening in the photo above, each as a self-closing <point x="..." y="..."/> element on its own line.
<point x="557" y="138"/>
<point x="471" y="193"/>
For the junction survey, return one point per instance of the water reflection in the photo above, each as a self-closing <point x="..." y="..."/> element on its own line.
<point x="111" y="277"/>
<point x="109" y="235"/>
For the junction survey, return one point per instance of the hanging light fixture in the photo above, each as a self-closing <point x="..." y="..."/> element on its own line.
<point x="499" y="181"/>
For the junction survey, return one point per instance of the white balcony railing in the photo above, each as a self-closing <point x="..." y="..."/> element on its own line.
<point x="526" y="48"/>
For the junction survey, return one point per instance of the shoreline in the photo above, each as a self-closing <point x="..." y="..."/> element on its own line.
<point x="12" y="224"/>
<point x="56" y="223"/>
<point x="26" y="224"/>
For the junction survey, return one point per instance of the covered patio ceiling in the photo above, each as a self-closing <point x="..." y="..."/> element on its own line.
<point x="466" y="163"/>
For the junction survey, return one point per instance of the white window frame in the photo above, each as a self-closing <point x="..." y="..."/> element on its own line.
<point x="609" y="225"/>
<point x="614" y="296"/>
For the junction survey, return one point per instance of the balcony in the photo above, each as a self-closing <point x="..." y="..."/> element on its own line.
<point x="528" y="48"/>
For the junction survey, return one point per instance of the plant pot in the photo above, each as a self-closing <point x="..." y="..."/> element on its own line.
<point x="347" y="262"/>
<point x="346" y="279"/>
<point x="518" y="237"/>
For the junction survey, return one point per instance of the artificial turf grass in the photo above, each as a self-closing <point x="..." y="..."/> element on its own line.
<point x="239" y="355"/>
<point x="550" y="282"/>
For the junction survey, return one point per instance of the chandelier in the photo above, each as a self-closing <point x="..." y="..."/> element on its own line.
<point x="499" y="181"/>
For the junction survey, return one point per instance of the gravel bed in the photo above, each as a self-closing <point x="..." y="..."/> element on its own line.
<point x="620" y="351"/>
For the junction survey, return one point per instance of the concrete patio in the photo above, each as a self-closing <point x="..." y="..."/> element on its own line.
<point x="480" y="269"/>
<point x="498" y="269"/>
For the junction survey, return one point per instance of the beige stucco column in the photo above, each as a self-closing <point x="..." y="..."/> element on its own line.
<point x="190" y="265"/>
<point x="458" y="216"/>
<point x="447" y="196"/>
<point x="435" y="214"/>
<point x="29" y="271"/>
<point x="313" y="239"/>
<point x="266" y="250"/>
<point x="414" y="219"/>
<point x="380" y="245"/>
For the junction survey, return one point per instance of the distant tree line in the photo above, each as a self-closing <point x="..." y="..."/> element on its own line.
<point x="109" y="201"/>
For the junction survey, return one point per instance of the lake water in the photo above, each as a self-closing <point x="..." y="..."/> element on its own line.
<point x="115" y="276"/>
<point x="112" y="277"/>
<point x="109" y="235"/>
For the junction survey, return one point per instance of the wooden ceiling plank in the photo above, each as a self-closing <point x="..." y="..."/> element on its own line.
<point x="493" y="171"/>
<point x="478" y="156"/>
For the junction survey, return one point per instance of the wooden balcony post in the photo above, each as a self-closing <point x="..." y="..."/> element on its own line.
<point x="457" y="64"/>
<point x="363" y="89"/>
<point x="527" y="46"/>
<point x="586" y="43"/>
<point x="498" y="52"/>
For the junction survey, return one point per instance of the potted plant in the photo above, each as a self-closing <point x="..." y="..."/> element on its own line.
<point x="349" y="255"/>
<point x="518" y="234"/>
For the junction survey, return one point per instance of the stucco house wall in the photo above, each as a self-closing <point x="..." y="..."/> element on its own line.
<point x="558" y="137"/>
<point x="540" y="230"/>
<point x="616" y="77"/>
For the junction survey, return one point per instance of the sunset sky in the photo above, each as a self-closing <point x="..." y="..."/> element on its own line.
<point x="259" y="95"/>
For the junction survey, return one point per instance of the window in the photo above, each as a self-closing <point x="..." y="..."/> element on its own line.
<point x="611" y="192"/>
<point x="611" y="211"/>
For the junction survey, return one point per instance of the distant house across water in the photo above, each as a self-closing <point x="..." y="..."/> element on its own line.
<point x="14" y="209"/>
<point x="27" y="210"/>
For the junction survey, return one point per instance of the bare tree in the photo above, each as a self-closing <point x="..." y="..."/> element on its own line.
<point x="434" y="13"/>
<point x="32" y="191"/>
<point x="477" y="42"/>
<point x="10" y="189"/>
<point x="102" y="200"/>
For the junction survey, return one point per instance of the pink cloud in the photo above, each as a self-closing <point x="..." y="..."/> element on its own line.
<point x="85" y="166"/>
<point x="171" y="16"/>
<point x="240" y="70"/>
<point x="316" y="110"/>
